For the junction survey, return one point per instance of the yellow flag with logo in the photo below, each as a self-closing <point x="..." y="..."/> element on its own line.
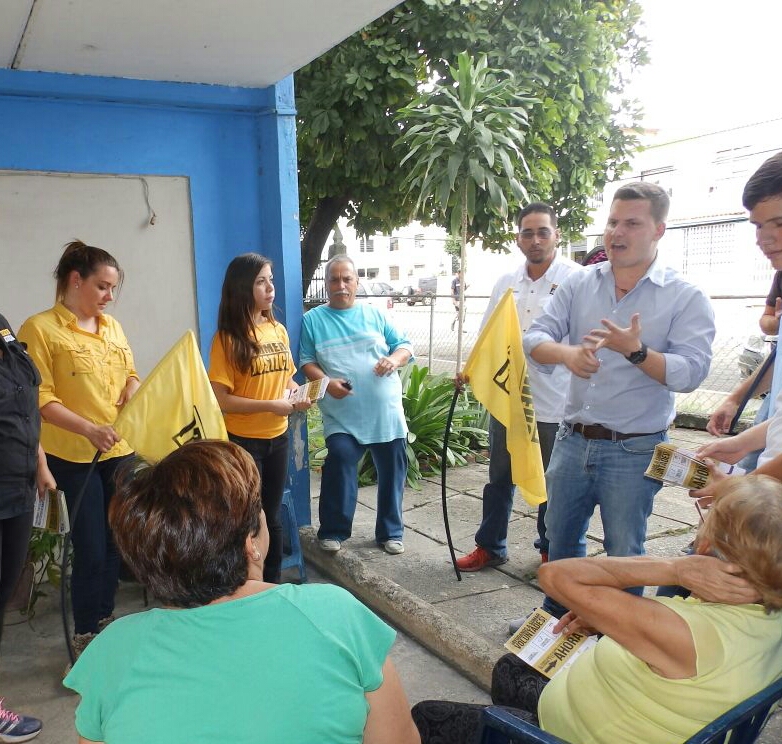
<point x="174" y="405"/>
<point x="498" y="377"/>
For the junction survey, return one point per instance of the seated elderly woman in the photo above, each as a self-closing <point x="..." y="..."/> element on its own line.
<point x="229" y="658"/>
<point x="665" y="667"/>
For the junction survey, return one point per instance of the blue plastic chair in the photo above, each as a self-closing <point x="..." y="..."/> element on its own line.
<point x="740" y="725"/>
<point x="292" y="556"/>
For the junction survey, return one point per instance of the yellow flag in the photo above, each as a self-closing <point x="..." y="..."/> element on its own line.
<point x="174" y="405"/>
<point x="498" y="377"/>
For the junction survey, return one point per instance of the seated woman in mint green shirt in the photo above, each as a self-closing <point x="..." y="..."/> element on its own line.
<point x="665" y="667"/>
<point x="229" y="657"/>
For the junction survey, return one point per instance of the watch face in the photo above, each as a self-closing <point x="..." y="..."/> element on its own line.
<point x="638" y="356"/>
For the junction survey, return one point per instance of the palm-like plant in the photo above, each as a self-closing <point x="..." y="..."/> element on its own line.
<point x="464" y="138"/>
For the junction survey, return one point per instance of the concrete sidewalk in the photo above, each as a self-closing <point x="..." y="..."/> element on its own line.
<point x="463" y="623"/>
<point x="466" y="622"/>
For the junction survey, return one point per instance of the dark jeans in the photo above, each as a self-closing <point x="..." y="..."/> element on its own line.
<point x="14" y="539"/>
<point x="498" y="493"/>
<point x="271" y="459"/>
<point x="339" y="487"/>
<point x="514" y="685"/>
<point x="96" y="560"/>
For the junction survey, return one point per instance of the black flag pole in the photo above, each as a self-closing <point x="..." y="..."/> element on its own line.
<point x="66" y="543"/>
<point x="444" y="471"/>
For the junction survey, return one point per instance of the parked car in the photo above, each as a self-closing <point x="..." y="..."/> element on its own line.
<point x="366" y="293"/>
<point x="380" y="288"/>
<point x="423" y="293"/>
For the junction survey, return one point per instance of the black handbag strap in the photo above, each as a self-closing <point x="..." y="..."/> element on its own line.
<point x="768" y="362"/>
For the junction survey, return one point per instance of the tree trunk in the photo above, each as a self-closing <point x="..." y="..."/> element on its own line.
<point x="322" y="222"/>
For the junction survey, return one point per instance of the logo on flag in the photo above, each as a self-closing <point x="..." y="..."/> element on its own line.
<point x="173" y="406"/>
<point x="497" y="371"/>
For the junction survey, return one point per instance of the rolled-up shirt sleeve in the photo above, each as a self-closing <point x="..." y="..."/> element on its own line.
<point x="307" y="353"/>
<point x="396" y="338"/>
<point x="688" y="356"/>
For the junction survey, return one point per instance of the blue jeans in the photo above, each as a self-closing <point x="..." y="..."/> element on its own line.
<point x="585" y="473"/>
<point x="339" y="487"/>
<point x="271" y="459"/>
<point x="96" y="559"/>
<point x="498" y="493"/>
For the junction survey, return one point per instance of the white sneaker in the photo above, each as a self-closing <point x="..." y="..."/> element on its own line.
<point x="330" y="546"/>
<point x="393" y="547"/>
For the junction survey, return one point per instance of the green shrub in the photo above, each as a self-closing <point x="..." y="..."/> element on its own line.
<point x="426" y="399"/>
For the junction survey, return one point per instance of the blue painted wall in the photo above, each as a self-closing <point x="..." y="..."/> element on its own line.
<point x="236" y="145"/>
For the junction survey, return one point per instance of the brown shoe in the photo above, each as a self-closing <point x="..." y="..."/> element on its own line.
<point x="79" y="642"/>
<point x="103" y="623"/>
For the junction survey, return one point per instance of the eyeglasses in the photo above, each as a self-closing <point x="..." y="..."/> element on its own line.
<point x="543" y="233"/>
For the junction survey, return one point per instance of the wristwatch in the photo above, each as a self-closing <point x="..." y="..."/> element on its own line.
<point x="638" y="357"/>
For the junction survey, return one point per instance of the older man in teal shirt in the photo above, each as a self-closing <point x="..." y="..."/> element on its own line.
<point x="360" y="350"/>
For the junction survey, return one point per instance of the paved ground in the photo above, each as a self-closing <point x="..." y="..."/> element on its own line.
<point x="34" y="658"/>
<point x="464" y="623"/>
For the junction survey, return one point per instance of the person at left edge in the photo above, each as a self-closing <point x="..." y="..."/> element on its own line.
<point x="250" y="368"/>
<point x="360" y="350"/>
<point x="23" y="469"/>
<point x="87" y="375"/>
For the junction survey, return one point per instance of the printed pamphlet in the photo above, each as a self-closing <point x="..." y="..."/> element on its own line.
<point x="313" y="391"/>
<point x="676" y="466"/>
<point x="536" y="643"/>
<point x="51" y="512"/>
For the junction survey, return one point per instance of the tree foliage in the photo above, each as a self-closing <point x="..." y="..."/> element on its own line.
<point x="569" y="57"/>
<point x="464" y="140"/>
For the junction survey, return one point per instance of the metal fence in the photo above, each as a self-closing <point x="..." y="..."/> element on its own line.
<point x="433" y="331"/>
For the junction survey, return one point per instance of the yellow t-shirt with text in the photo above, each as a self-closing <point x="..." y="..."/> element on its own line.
<point x="267" y="379"/>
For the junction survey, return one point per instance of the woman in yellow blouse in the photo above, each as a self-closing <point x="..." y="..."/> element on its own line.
<point x="87" y="375"/>
<point x="250" y="368"/>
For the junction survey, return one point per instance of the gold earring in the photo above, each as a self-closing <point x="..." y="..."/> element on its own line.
<point x="257" y="556"/>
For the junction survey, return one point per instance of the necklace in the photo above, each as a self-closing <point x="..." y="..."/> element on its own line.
<point x="623" y="291"/>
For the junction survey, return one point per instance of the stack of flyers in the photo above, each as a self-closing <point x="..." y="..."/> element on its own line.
<point x="51" y="512"/>
<point x="680" y="467"/>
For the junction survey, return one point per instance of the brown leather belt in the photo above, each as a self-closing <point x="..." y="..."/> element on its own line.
<point x="598" y="431"/>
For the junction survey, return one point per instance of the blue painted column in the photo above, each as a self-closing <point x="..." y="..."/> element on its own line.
<point x="280" y="240"/>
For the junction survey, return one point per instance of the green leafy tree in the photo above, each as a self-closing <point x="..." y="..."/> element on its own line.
<point x="453" y="247"/>
<point x="572" y="56"/>
<point x="464" y="140"/>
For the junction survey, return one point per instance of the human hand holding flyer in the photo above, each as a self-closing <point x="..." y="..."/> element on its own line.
<point x="312" y="391"/>
<point x="676" y="466"/>
<point x="545" y="651"/>
<point x="51" y="512"/>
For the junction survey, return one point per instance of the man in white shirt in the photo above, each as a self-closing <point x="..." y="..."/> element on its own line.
<point x="533" y="284"/>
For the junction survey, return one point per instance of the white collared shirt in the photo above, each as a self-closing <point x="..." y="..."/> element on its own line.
<point x="532" y="297"/>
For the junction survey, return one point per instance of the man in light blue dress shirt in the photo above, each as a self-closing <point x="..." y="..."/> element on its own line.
<point x="632" y="332"/>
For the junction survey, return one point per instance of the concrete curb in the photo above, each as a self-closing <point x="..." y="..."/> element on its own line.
<point x="458" y="646"/>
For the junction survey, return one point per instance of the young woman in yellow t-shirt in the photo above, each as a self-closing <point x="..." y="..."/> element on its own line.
<point x="250" y="368"/>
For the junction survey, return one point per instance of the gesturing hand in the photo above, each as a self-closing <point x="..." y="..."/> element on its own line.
<point x="581" y="360"/>
<point x="622" y="340"/>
